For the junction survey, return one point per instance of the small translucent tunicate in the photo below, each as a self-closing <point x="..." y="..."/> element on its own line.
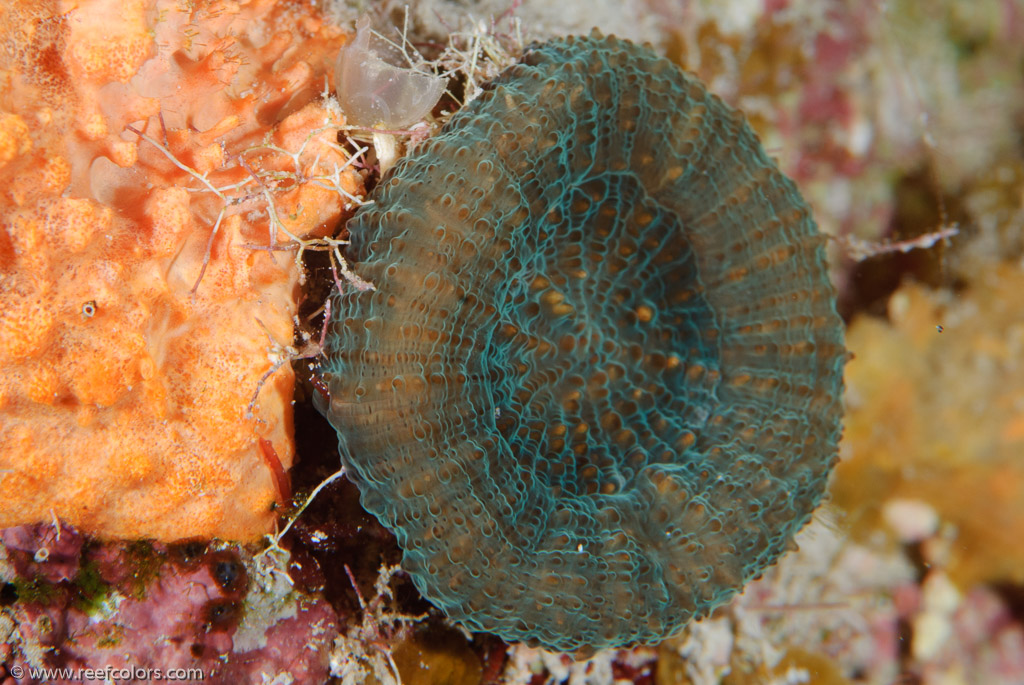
<point x="376" y="93"/>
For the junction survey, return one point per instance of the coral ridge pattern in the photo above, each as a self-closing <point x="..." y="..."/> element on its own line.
<point x="597" y="387"/>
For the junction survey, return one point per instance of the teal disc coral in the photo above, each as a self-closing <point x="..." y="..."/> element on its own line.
<point x="598" y="386"/>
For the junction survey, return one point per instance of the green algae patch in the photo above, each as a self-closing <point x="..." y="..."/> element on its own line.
<point x="91" y="591"/>
<point x="35" y="590"/>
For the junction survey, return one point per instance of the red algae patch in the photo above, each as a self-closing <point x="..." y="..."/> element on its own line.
<point x="148" y="151"/>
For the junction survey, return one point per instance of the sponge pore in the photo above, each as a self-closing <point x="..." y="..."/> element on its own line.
<point x="597" y="388"/>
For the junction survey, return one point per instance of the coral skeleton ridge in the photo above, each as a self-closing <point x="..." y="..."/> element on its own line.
<point x="598" y="386"/>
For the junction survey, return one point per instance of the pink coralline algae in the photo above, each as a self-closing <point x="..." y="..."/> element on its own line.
<point x="142" y="607"/>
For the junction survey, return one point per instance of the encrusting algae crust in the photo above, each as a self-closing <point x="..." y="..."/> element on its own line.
<point x="130" y="359"/>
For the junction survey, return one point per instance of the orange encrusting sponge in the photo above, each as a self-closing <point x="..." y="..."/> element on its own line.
<point x="128" y="131"/>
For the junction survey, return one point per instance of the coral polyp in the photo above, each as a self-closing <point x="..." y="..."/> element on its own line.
<point x="597" y="387"/>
